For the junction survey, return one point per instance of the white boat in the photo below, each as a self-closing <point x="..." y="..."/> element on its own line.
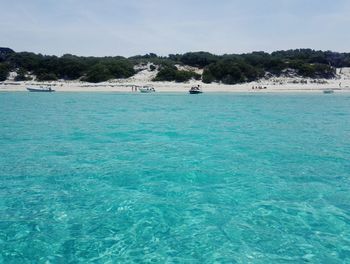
<point x="196" y="90"/>
<point x="40" y="89"/>
<point x="146" y="89"/>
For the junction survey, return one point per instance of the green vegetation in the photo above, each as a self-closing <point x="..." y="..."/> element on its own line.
<point x="198" y="59"/>
<point x="109" y="69"/>
<point x="228" y="68"/>
<point x="4" y="52"/>
<point x="69" y="67"/>
<point x="4" y="71"/>
<point x="22" y="76"/>
<point x="45" y="76"/>
<point x="230" y="71"/>
<point x="171" y="73"/>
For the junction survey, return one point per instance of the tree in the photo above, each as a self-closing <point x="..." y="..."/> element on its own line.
<point x="228" y="68"/>
<point x="198" y="59"/>
<point x="167" y="73"/>
<point x="185" y="76"/>
<point x="45" y="76"/>
<point x="70" y="67"/>
<point x="5" y="53"/>
<point x="207" y="76"/>
<point x="21" y="76"/>
<point x="98" y="73"/>
<point x="120" y="68"/>
<point x="4" y="72"/>
<point x="171" y="73"/>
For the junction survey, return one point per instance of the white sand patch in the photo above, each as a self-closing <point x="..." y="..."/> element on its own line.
<point x="189" y="68"/>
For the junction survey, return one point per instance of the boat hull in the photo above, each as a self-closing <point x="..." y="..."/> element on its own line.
<point x="195" y="92"/>
<point x="40" y="90"/>
<point x="144" y="91"/>
<point x="147" y="89"/>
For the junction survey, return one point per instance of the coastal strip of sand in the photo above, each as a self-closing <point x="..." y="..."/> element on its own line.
<point x="64" y="86"/>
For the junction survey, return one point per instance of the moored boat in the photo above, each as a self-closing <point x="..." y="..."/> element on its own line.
<point x="40" y="89"/>
<point x="196" y="90"/>
<point x="328" y="91"/>
<point x="146" y="89"/>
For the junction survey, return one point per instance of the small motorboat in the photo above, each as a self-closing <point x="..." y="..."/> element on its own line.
<point x="328" y="91"/>
<point x="146" y="89"/>
<point x="40" y="89"/>
<point x="196" y="90"/>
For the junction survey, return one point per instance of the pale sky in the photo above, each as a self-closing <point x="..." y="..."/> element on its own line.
<point x="131" y="27"/>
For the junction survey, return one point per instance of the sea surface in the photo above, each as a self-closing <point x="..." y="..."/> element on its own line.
<point x="174" y="178"/>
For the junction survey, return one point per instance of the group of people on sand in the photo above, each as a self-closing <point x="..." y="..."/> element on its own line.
<point x="134" y="88"/>
<point x="258" y="87"/>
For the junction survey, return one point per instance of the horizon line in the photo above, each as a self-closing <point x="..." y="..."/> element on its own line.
<point x="162" y="55"/>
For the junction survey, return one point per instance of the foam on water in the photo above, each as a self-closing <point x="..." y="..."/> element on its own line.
<point x="226" y="178"/>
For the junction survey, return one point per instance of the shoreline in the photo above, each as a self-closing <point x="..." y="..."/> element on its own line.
<point x="281" y="84"/>
<point x="166" y="87"/>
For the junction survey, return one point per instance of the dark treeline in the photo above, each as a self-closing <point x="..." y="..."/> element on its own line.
<point x="68" y="67"/>
<point x="228" y="68"/>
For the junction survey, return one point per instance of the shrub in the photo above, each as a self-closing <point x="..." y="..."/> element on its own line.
<point x="184" y="76"/>
<point x="171" y="73"/>
<point x="21" y="76"/>
<point x="207" y="76"/>
<point x="198" y="59"/>
<point x="46" y="77"/>
<point x="166" y="74"/>
<point x="4" y="71"/>
<point x="98" y="73"/>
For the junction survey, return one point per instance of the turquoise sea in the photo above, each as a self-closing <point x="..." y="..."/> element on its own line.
<point x="174" y="178"/>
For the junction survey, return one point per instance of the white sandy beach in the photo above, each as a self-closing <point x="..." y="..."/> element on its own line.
<point x="275" y="84"/>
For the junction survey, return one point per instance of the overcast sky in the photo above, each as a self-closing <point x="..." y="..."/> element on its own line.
<point x="130" y="27"/>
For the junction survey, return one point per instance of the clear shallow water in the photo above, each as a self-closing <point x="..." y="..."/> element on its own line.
<point x="174" y="178"/>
